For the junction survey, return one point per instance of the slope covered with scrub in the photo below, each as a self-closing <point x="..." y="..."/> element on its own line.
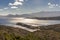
<point x="50" y="32"/>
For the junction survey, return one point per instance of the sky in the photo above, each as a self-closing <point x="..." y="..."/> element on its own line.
<point x="28" y="6"/>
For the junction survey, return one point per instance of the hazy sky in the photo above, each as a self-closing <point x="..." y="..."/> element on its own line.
<point x="28" y="6"/>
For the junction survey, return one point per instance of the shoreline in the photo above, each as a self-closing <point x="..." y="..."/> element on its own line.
<point x="24" y="28"/>
<point x="47" y="27"/>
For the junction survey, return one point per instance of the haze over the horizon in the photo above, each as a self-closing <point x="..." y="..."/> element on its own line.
<point x="28" y="6"/>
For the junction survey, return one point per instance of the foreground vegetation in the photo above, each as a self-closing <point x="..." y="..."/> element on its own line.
<point x="51" y="32"/>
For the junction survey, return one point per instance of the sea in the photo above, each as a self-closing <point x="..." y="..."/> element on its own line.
<point x="15" y="20"/>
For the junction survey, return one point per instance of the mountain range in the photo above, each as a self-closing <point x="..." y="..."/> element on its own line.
<point x="38" y="14"/>
<point x="44" y="15"/>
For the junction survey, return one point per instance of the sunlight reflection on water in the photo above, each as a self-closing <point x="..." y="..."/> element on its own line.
<point x="27" y="21"/>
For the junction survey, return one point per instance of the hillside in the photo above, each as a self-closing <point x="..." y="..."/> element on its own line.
<point x="37" y="14"/>
<point x="47" y="18"/>
<point x="51" y="32"/>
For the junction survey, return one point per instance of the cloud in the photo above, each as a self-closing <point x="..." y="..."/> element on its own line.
<point x="1" y="9"/>
<point x="50" y="5"/>
<point x="57" y="5"/>
<point x="6" y="8"/>
<point x="16" y="3"/>
<point x="14" y="7"/>
<point x="21" y="0"/>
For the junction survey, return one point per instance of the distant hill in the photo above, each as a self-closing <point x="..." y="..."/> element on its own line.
<point x="47" y="18"/>
<point x="23" y="15"/>
<point x="47" y="14"/>
<point x="38" y="14"/>
<point x="44" y="15"/>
